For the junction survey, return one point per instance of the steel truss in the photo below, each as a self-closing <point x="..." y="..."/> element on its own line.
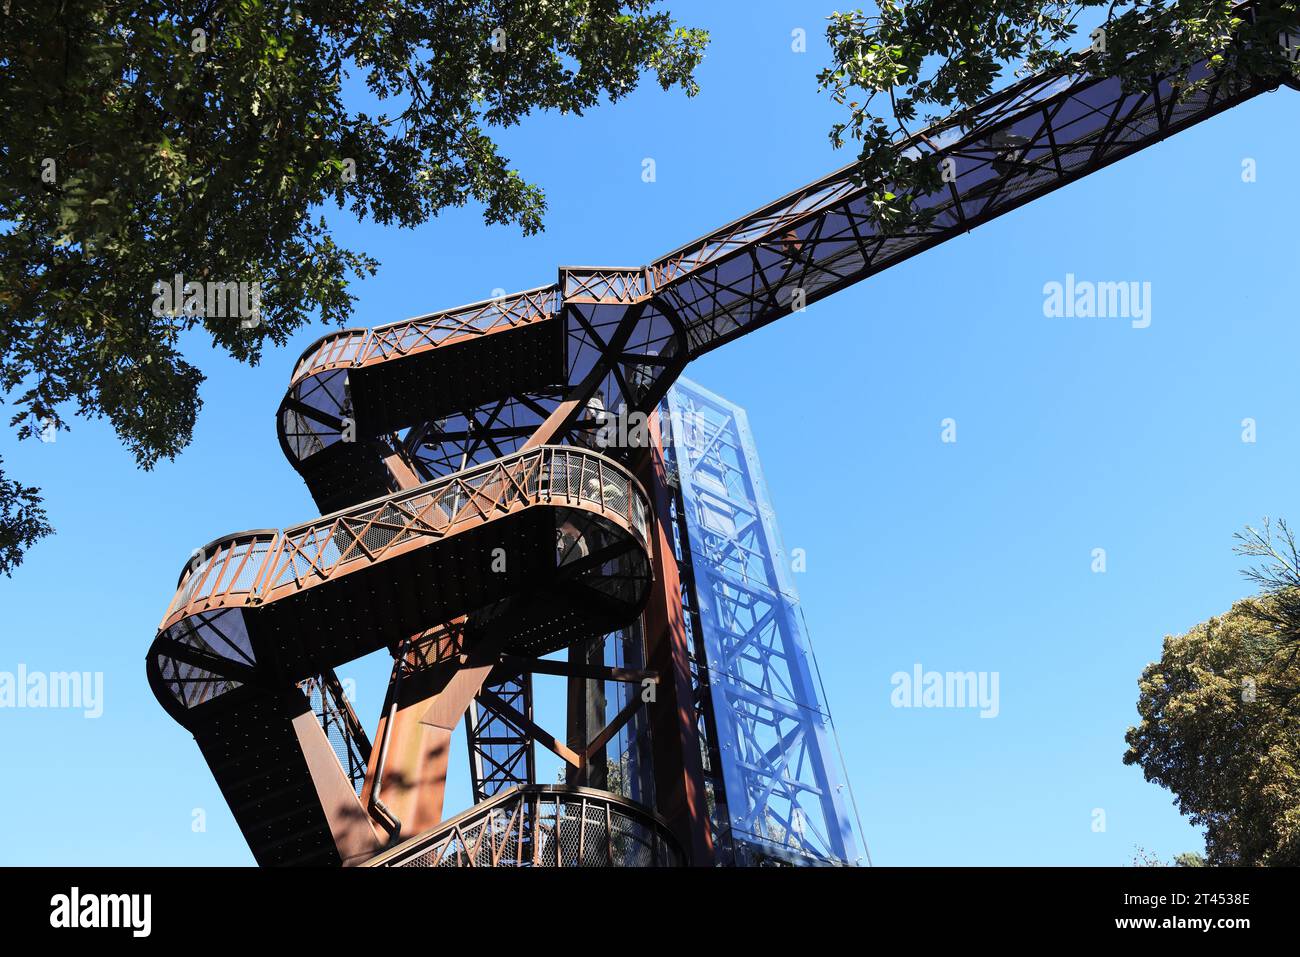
<point x="544" y="826"/>
<point x="427" y="442"/>
<point x="500" y="747"/>
<point x="784" y="794"/>
<point x="626" y="333"/>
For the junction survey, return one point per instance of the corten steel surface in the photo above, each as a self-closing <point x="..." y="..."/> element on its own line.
<point x="342" y="728"/>
<point x="272" y="608"/>
<point x="543" y="826"/>
<point x="682" y="795"/>
<point x="260" y="612"/>
<point x="470" y="402"/>
<point x="282" y="779"/>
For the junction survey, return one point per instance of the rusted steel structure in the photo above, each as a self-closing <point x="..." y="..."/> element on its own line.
<point x="540" y="826"/>
<point x="477" y="522"/>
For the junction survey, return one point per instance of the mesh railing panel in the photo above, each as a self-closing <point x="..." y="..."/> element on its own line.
<point x="336" y="719"/>
<point x="354" y="347"/>
<point x="545" y="827"/>
<point x="246" y="568"/>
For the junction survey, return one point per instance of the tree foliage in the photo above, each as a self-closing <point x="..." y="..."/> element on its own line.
<point x="1219" y="731"/>
<point x="142" y="139"/>
<point x="22" y="521"/>
<point x="1277" y="574"/>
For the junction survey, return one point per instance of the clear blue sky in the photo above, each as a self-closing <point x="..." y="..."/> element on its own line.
<point x="1073" y="434"/>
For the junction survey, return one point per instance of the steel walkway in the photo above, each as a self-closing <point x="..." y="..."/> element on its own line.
<point x="440" y="443"/>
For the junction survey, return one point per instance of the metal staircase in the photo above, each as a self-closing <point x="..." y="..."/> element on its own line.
<point x="438" y="444"/>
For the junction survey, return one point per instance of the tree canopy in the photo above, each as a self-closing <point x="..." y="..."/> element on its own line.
<point x="913" y="62"/>
<point x="146" y="139"/>
<point x="1219" y="726"/>
<point x="143" y="139"/>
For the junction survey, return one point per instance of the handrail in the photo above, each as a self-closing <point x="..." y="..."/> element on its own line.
<point x="533" y="826"/>
<point x="245" y="569"/>
<point x="404" y="335"/>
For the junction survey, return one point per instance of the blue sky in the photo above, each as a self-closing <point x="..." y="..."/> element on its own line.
<point x="1072" y="434"/>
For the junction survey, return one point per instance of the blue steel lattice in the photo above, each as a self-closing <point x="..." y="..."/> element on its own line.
<point x="785" y="798"/>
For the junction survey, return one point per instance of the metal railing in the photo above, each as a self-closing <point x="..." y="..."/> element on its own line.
<point x="544" y="826"/>
<point x="347" y="738"/>
<point x="355" y="347"/>
<point x="254" y="567"/>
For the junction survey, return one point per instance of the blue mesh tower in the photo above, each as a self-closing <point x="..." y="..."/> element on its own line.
<point x="777" y="790"/>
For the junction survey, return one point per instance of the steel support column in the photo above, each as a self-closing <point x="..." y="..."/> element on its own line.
<point x="678" y="769"/>
<point x="586" y="714"/>
<point x="500" y="752"/>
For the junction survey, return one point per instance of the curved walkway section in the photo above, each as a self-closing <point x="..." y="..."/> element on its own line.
<point x="350" y="390"/>
<point x="613" y="338"/>
<point x="543" y="826"/>
<point x="549" y="545"/>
